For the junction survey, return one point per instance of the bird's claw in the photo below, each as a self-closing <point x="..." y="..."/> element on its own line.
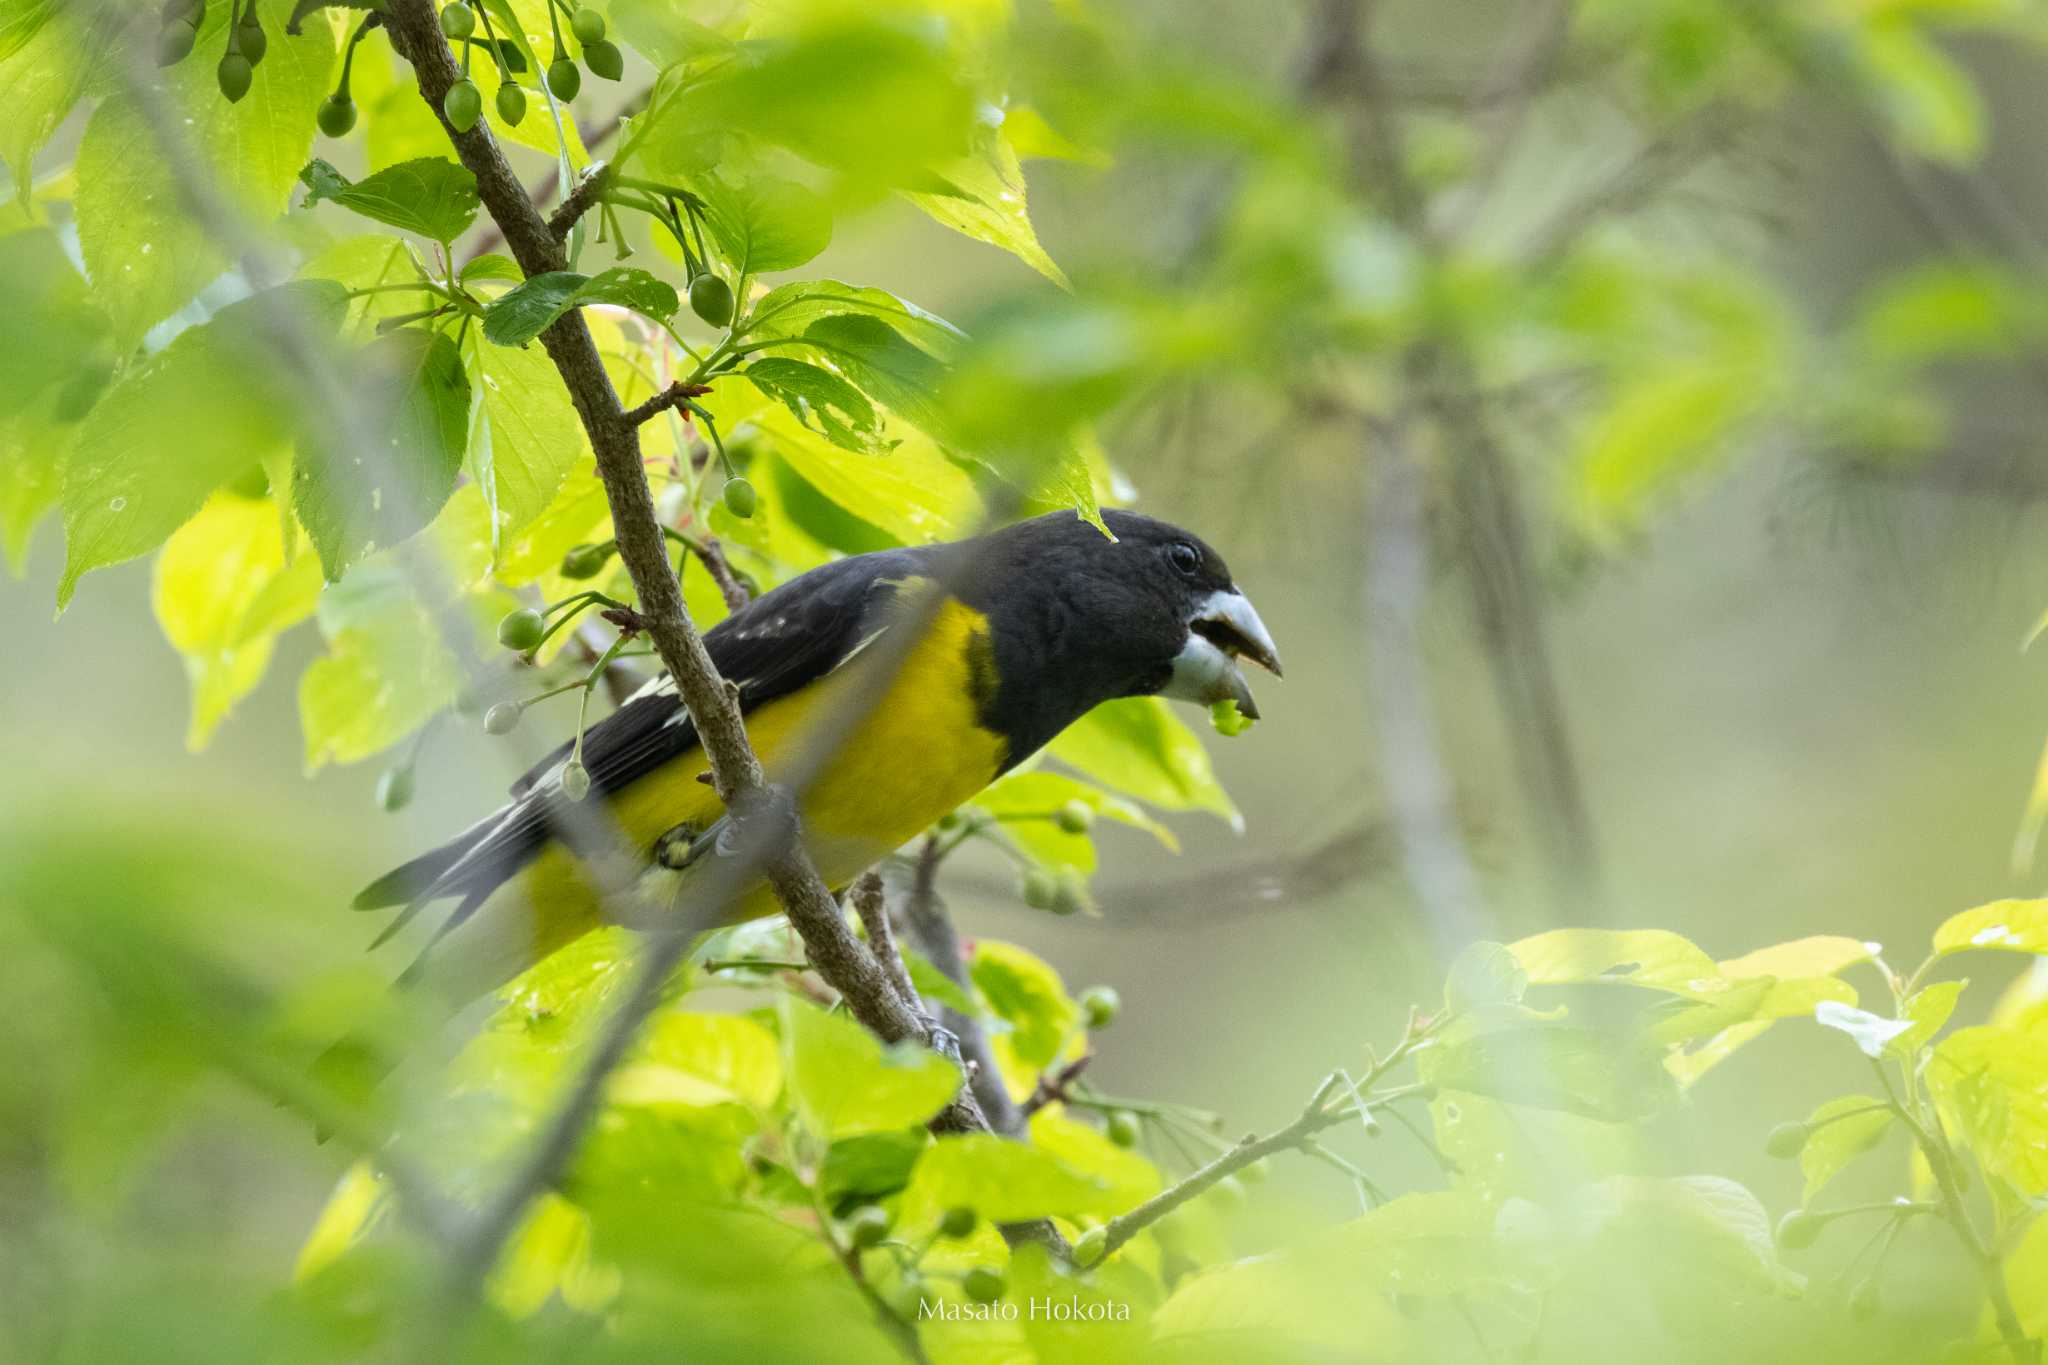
<point x="943" y="1041"/>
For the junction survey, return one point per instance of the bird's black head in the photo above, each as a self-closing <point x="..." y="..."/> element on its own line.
<point x="1078" y="619"/>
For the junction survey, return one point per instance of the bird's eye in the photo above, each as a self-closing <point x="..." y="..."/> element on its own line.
<point x="1185" y="558"/>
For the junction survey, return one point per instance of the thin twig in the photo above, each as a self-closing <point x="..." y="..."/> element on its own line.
<point x="870" y="902"/>
<point x="672" y="396"/>
<point x="588" y="191"/>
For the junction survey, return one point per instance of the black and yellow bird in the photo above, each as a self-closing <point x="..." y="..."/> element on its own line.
<point x="1040" y="622"/>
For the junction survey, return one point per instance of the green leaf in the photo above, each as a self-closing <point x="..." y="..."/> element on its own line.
<point x="528" y="436"/>
<point x="169" y="432"/>
<point x="789" y="310"/>
<point x="222" y="592"/>
<point x="1992" y="1086"/>
<point x="883" y="364"/>
<point x="1039" y="793"/>
<point x="1026" y="994"/>
<point x="984" y="198"/>
<point x="417" y="396"/>
<point x="1834" y="1141"/>
<point x="763" y="224"/>
<point x="693" y="1058"/>
<point x="867" y="1167"/>
<point x="431" y="196"/>
<point x="1138" y="747"/>
<point x="1582" y="1071"/>
<point x="1709" y="1235"/>
<point x="31" y="477"/>
<point x="1927" y="1010"/>
<point x="145" y="254"/>
<point x="492" y="266"/>
<point x="386" y="670"/>
<point x="2026" y="1279"/>
<point x="658" y="31"/>
<point x="1003" y="1181"/>
<point x="54" y="330"/>
<point x="524" y="312"/>
<point x="46" y="65"/>
<point x="1654" y="958"/>
<point x="2007" y="926"/>
<point x="844" y="1081"/>
<point x="820" y="400"/>
<point x="912" y="493"/>
<point x="1932" y="101"/>
<point x="872" y="100"/>
<point x="935" y="987"/>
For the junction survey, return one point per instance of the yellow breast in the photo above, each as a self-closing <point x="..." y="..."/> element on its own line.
<point x="919" y="751"/>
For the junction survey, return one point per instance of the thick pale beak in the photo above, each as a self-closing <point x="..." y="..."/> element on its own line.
<point x="1223" y="628"/>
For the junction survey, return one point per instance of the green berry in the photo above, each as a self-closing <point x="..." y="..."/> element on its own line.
<point x="1075" y="817"/>
<point x="711" y="299"/>
<point x="511" y="103"/>
<point x="604" y="60"/>
<point x="588" y="25"/>
<point x="337" y="115"/>
<point x="1039" y="888"/>
<point x="868" y="1227"/>
<point x="949" y="822"/>
<point x="502" y="718"/>
<point x="984" y="1284"/>
<point x="251" y="38"/>
<point x="1228" y="720"/>
<point x="233" y="74"/>
<point x="1124" y="1128"/>
<point x="587" y="561"/>
<point x="458" y="21"/>
<point x="463" y="105"/>
<point x="174" y="44"/>
<point x="564" y="79"/>
<point x="1071" y="896"/>
<point x="394" y="789"/>
<point x="1101" y="1004"/>
<point x="959" y="1222"/>
<point x="1799" y="1229"/>
<point x="1089" y="1246"/>
<point x="740" y="498"/>
<point x="575" y="780"/>
<point x="521" y="630"/>
<point x="1787" y="1140"/>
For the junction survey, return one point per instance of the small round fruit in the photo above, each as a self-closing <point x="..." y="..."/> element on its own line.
<point x="337" y="115"/>
<point x="1124" y="1128"/>
<point x="604" y="60"/>
<point x="740" y="498"/>
<point x="1089" y="1246"/>
<point x="868" y="1227"/>
<point x="1228" y="720"/>
<point x="1039" y="888"/>
<point x="463" y="105"/>
<point x="1075" y="817"/>
<point x="1798" y="1230"/>
<point x="394" y="789"/>
<point x="511" y="103"/>
<point x="521" y="630"/>
<point x="175" y="42"/>
<point x="588" y="25"/>
<point x="458" y="20"/>
<point x="586" y="561"/>
<point x="1100" y="1004"/>
<point x="949" y="822"/>
<point x="1787" y="1140"/>
<point x="503" y="718"/>
<point x="959" y="1222"/>
<point x="575" y="780"/>
<point x="565" y="78"/>
<point x="251" y="38"/>
<point x="983" y="1284"/>
<point x="1071" y="897"/>
<point x="233" y="75"/>
<point x="711" y="299"/>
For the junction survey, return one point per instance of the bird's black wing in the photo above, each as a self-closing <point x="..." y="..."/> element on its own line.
<point x="770" y="648"/>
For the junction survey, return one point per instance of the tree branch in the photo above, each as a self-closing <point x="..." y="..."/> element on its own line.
<point x="765" y="819"/>
<point x="672" y="396"/>
<point x="870" y="902"/>
<point x="587" y="192"/>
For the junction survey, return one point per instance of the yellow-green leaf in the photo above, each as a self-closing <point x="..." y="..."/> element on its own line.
<point x="1835" y="1140"/>
<point x="1139" y="747"/>
<point x="845" y="1081"/>
<point x="2010" y="926"/>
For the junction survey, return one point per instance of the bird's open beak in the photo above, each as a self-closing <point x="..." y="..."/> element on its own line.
<point x="1223" y="629"/>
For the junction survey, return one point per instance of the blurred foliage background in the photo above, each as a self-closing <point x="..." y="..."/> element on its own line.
<point x="1700" y="341"/>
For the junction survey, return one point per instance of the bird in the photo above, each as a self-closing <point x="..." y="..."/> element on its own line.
<point x="1032" y="626"/>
